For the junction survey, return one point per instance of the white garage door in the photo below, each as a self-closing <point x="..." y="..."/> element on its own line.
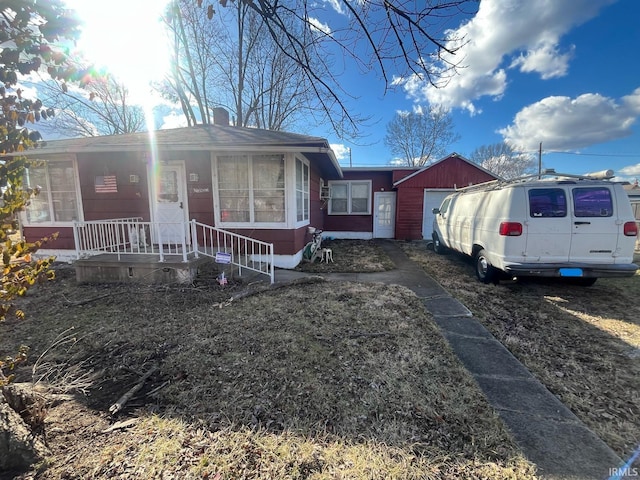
<point x="432" y="199"/>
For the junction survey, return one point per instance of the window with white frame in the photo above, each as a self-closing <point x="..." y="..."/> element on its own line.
<point x="251" y="188"/>
<point x="57" y="201"/>
<point x="302" y="191"/>
<point x="350" y="197"/>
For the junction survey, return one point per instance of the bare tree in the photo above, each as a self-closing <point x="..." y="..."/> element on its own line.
<point x="101" y="107"/>
<point x="419" y="137"/>
<point x="392" y="37"/>
<point x="504" y="160"/>
<point x="232" y="61"/>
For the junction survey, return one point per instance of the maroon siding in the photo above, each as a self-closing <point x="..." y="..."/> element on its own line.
<point x="381" y="181"/>
<point x="200" y="193"/>
<point x="452" y="172"/>
<point x="400" y="174"/>
<point x="285" y="242"/>
<point x="409" y="213"/>
<point x="448" y="173"/>
<point x="131" y="200"/>
<point x="63" y="242"/>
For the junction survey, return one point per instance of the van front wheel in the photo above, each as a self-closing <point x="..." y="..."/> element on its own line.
<point x="485" y="272"/>
<point x="437" y="245"/>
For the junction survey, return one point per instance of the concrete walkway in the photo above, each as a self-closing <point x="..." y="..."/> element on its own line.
<point x="548" y="433"/>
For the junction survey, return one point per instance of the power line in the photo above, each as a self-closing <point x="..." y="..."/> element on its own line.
<point x="560" y="152"/>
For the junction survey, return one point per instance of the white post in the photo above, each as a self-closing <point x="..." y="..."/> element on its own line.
<point x="194" y="238"/>
<point x="76" y="238"/>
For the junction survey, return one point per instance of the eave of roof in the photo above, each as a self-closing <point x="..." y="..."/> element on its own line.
<point x="454" y="154"/>
<point x="198" y="138"/>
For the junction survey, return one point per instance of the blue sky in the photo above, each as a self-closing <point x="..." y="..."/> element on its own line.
<point x="561" y="72"/>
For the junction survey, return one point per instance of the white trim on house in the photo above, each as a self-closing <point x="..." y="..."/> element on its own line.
<point x="293" y="188"/>
<point x="287" y="261"/>
<point x="427" y="167"/>
<point x="66" y="256"/>
<point x="78" y="194"/>
<point x="347" y="235"/>
<point x="350" y="183"/>
<point x="291" y="222"/>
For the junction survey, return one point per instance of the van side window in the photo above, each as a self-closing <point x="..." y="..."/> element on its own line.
<point x="547" y="202"/>
<point x="592" y="202"/>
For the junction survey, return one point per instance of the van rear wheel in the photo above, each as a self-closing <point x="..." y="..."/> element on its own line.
<point x="485" y="272"/>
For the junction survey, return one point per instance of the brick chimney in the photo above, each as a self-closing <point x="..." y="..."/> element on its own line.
<point x="220" y="117"/>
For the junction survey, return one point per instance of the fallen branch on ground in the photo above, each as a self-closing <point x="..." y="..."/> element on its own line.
<point x="122" y="401"/>
<point x="121" y="425"/>
<point x="270" y="288"/>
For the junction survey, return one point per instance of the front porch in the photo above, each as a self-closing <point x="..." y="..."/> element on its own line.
<point x="139" y="268"/>
<point x="130" y="250"/>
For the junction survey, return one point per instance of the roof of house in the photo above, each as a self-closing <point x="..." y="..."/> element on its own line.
<point x="427" y="167"/>
<point x="632" y="189"/>
<point x="198" y="138"/>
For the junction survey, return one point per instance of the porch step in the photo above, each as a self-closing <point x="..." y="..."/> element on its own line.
<point x="106" y="268"/>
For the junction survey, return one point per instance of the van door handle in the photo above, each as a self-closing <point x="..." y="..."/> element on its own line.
<point x="582" y="223"/>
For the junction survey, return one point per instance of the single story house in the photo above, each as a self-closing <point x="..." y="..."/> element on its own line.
<point x="633" y="191"/>
<point x="259" y="184"/>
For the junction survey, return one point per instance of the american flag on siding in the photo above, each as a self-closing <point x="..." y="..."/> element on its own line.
<point x="106" y="184"/>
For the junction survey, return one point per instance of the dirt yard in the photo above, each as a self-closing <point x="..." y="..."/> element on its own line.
<point x="312" y="380"/>
<point x="583" y="343"/>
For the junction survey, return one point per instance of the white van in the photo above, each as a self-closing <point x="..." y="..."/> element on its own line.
<point x="548" y="225"/>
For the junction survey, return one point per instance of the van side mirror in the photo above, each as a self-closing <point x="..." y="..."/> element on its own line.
<point x="435" y="211"/>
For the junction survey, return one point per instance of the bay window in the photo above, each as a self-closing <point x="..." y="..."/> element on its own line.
<point x="251" y="188"/>
<point x="57" y="201"/>
<point x="302" y="191"/>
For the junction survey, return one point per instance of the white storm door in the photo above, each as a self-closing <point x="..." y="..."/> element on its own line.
<point x="384" y="213"/>
<point x="170" y="204"/>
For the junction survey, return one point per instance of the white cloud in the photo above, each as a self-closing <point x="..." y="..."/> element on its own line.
<point x="337" y="6"/>
<point x="505" y="34"/>
<point x="341" y="151"/>
<point x="319" y="26"/>
<point x="563" y="123"/>
<point x="545" y="60"/>
<point x="173" y="120"/>
<point x="630" y="171"/>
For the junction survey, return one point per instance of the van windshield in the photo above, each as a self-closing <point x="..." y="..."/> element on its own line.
<point x="592" y="202"/>
<point x="445" y="205"/>
<point x="547" y="202"/>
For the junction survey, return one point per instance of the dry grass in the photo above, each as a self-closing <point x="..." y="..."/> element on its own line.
<point x="350" y="256"/>
<point x="320" y="380"/>
<point x="581" y="342"/>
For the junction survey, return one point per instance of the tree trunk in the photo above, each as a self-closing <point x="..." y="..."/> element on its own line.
<point x="19" y="448"/>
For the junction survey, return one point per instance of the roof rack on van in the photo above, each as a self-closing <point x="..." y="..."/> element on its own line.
<point x="601" y="175"/>
<point x="549" y="172"/>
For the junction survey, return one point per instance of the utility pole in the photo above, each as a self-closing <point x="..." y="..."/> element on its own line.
<point x="540" y="161"/>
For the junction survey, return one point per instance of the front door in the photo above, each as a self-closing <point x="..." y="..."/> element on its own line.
<point x="170" y="204"/>
<point x="384" y="221"/>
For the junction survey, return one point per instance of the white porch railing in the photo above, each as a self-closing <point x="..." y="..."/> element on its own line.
<point x="132" y="236"/>
<point x="246" y="253"/>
